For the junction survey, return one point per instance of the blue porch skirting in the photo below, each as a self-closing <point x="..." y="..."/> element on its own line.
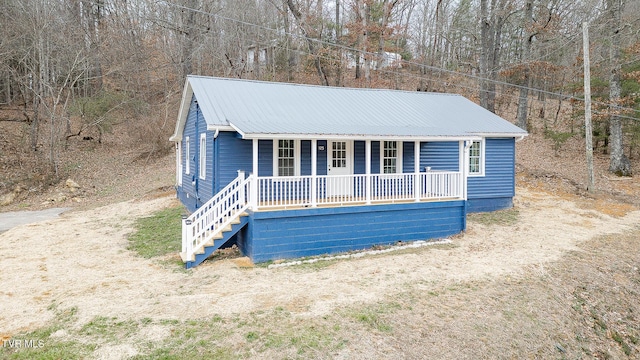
<point x="272" y="235"/>
<point x="489" y="204"/>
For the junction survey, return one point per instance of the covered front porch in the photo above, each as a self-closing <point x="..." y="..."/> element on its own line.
<point x="295" y="173"/>
<point x="333" y="195"/>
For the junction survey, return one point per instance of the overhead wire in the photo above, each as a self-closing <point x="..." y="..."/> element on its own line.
<point x="408" y="62"/>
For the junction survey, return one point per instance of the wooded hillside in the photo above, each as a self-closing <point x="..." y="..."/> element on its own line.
<point x="76" y="72"/>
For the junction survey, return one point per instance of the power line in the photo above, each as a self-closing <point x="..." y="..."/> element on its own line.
<point x="405" y="62"/>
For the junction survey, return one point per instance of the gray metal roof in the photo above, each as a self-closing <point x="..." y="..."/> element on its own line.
<point x="261" y="109"/>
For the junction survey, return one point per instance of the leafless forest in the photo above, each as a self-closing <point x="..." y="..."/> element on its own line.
<point x="76" y="72"/>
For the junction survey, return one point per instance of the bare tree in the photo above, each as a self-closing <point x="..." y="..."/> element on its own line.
<point x="307" y="33"/>
<point x="524" y="90"/>
<point x="619" y="163"/>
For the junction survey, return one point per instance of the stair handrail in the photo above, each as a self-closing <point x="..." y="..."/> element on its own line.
<point x="211" y="218"/>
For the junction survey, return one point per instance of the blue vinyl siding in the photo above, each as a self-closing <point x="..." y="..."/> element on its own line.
<point x="496" y="189"/>
<point x="322" y="157"/>
<point x="195" y="191"/>
<point x="359" y="157"/>
<point x="305" y="157"/>
<point x="265" y="157"/>
<point x="359" y="152"/>
<point x="441" y="155"/>
<point x="234" y="154"/>
<point x="297" y="233"/>
<point x="375" y="157"/>
<point x="407" y="157"/>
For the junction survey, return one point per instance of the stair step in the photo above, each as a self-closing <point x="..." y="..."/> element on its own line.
<point x="183" y="256"/>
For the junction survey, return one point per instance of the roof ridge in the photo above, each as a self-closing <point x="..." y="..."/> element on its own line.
<point x="345" y="88"/>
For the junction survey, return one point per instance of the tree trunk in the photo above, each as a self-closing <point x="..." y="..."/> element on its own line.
<point x="524" y="90"/>
<point x="619" y="163"/>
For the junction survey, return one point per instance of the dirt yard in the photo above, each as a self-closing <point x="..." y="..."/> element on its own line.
<point x="474" y="298"/>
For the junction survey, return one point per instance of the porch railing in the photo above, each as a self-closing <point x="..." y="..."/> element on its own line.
<point x="296" y="191"/>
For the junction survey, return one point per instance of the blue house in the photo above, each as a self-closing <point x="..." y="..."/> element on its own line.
<point x="288" y="170"/>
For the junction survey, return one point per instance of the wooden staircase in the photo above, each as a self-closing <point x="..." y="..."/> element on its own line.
<point x="216" y="240"/>
<point x="215" y="222"/>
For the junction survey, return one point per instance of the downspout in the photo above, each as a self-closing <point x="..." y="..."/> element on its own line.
<point x="214" y="181"/>
<point x="465" y="176"/>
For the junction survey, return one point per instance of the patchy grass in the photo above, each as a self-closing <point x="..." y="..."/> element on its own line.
<point x="374" y="317"/>
<point x="41" y="343"/>
<point x="158" y="234"/>
<point x="505" y="217"/>
<point x="109" y="329"/>
<point x="585" y="306"/>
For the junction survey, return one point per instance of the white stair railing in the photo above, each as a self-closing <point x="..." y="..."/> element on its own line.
<point x="215" y="215"/>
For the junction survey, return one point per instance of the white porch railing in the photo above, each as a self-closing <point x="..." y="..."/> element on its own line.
<point x="215" y="215"/>
<point x="295" y="191"/>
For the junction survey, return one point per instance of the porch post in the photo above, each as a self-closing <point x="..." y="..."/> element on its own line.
<point x="314" y="172"/>
<point x="254" y="183"/>
<point x="367" y="161"/>
<point x="417" y="180"/>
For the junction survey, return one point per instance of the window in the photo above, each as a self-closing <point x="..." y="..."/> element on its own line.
<point x="476" y="158"/>
<point x="187" y="157"/>
<point x="390" y="157"/>
<point x="339" y="155"/>
<point x="202" y="168"/>
<point x="286" y="158"/>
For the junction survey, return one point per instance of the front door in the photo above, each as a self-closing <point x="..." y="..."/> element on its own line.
<point x="340" y="163"/>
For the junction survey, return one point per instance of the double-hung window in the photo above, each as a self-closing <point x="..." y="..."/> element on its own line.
<point x="476" y="158"/>
<point x="391" y="157"/>
<point x="286" y="158"/>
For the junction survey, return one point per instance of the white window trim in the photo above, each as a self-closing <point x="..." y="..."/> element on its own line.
<point x="482" y="160"/>
<point x="202" y="157"/>
<point x="400" y="146"/>
<point x="179" y="163"/>
<point x="187" y="157"/>
<point x="296" y="156"/>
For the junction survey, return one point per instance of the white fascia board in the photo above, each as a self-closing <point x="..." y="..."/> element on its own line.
<point x="185" y="104"/>
<point x="235" y="128"/>
<point x="502" y="135"/>
<point x="356" y="137"/>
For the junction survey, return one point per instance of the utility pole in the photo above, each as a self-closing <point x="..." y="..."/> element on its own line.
<point x="587" y="108"/>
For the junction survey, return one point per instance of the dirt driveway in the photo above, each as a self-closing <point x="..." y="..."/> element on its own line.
<point x="80" y="260"/>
